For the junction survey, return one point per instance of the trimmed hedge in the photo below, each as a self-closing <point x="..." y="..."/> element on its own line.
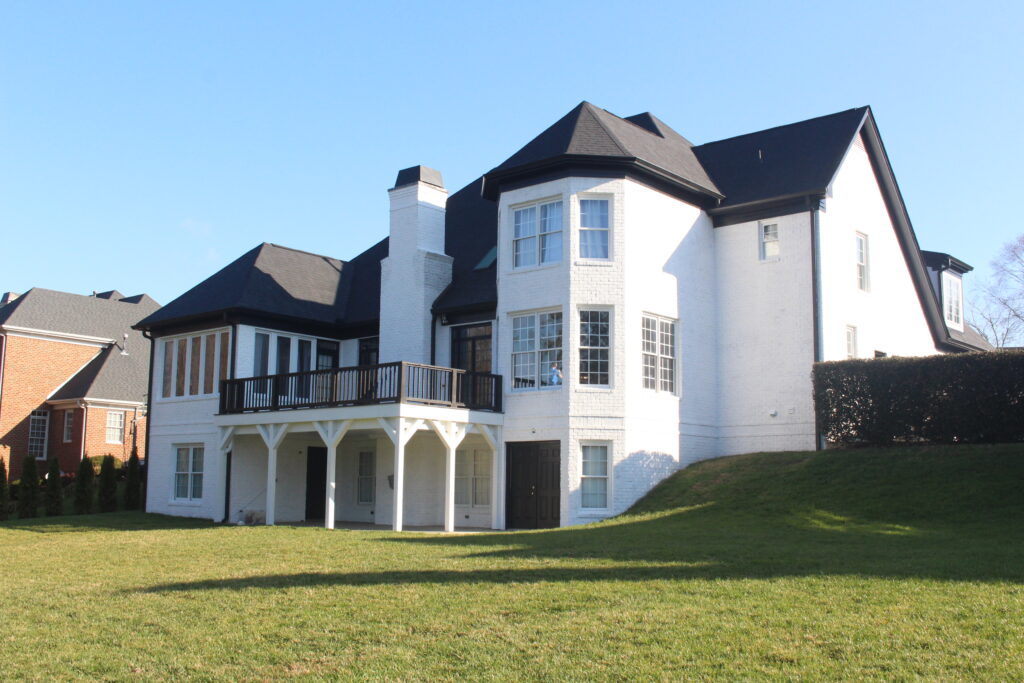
<point x="952" y="398"/>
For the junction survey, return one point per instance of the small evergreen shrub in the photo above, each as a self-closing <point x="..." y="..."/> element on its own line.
<point x="132" y="483"/>
<point x="54" y="496"/>
<point x="108" y="485"/>
<point x="4" y="493"/>
<point x="28" y="489"/>
<point x="951" y="398"/>
<point x="84" y="487"/>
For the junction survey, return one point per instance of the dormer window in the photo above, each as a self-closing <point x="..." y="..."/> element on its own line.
<point x="537" y="235"/>
<point x="953" y="299"/>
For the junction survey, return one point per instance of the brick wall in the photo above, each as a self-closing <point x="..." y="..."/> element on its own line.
<point x="33" y="369"/>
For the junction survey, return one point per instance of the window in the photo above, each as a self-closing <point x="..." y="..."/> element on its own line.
<point x="369" y="351"/>
<point x="537" y="350"/>
<point x="594" y="228"/>
<point x="659" y="361"/>
<point x="261" y="355"/>
<point x="115" y="426"/>
<point x="863" y="274"/>
<point x="594" y="482"/>
<point x="69" y="425"/>
<point x="191" y="365"/>
<point x="537" y="235"/>
<point x="770" y="242"/>
<point x="366" y="480"/>
<point x="284" y="355"/>
<point x="188" y="473"/>
<point x="953" y="299"/>
<point x="594" y="347"/>
<point x="471" y="347"/>
<point x="38" y="428"/>
<point x="851" y="342"/>
<point x="473" y="478"/>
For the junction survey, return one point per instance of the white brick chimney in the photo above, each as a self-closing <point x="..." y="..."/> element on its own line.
<point x="416" y="269"/>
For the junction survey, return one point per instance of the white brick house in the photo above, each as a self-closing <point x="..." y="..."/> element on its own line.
<point x="542" y="347"/>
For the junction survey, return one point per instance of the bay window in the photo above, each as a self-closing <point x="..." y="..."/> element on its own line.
<point x="537" y="350"/>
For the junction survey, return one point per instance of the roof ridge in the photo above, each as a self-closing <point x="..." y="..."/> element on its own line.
<point x="594" y="113"/>
<point x="785" y="125"/>
<point x="303" y="251"/>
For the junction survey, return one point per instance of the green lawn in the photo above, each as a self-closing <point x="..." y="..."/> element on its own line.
<point x="884" y="565"/>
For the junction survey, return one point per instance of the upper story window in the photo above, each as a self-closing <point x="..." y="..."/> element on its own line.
<point x="863" y="263"/>
<point x="537" y="235"/>
<point x="659" y="360"/>
<point x="369" y="351"/>
<point x="769" y="248"/>
<point x="115" y="426"/>
<point x="953" y="299"/>
<point x="595" y="347"/>
<point x="594" y="228"/>
<point x="537" y="350"/>
<point x="192" y="365"/>
<point x="38" y="429"/>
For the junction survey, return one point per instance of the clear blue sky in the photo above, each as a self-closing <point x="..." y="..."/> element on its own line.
<point x="144" y="145"/>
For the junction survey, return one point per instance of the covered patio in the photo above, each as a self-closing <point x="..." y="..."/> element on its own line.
<point x="398" y="462"/>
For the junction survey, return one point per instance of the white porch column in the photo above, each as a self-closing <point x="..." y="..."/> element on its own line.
<point x="492" y="435"/>
<point x="273" y="435"/>
<point x="332" y="432"/>
<point x="452" y="434"/>
<point x="224" y="442"/>
<point x="399" y="430"/>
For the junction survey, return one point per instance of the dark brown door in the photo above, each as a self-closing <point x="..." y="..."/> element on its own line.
<point x="316" y="481"/>
<point x="533" y="493"/>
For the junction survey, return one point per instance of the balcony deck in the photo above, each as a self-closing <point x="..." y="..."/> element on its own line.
<point x="399" y="382"/>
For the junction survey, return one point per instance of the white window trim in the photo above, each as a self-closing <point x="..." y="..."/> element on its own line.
<point x="471" y="454"/>
<point x="45" y="415"/>
<point x="511" y="353"/>
<point x="191" y="462"/>
<point x="579" y="348"/>
<point x="69" y="426"/>
<point x="609" y="488"/>
<point x="762" y="242"/>
<point x="157" y="392"/>
<point x="947" y="279"/>
<point x="123" y="427"/>
<point x="863" y="284"/>
<point x="659" y="319"/>
<point x="851" y="348"/>
<point x="579" y="228"/>
<point x="538" y="264"/>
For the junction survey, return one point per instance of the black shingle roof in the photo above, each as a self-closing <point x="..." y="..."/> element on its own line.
<point x="799" y="158"/>
<point x="588" y="131"/>
<point x="279" y="281"/>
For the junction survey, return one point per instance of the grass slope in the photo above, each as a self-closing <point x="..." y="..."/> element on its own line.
<point x="872" y="564"/>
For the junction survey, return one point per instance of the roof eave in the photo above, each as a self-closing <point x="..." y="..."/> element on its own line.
<point x="494" y="177"/>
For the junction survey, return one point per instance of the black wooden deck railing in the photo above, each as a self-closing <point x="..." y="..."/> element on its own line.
<point x="400" y="382"/>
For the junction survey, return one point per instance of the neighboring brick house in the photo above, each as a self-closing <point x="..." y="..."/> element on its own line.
<point x="543" y="346"/>
<point x="73" y="376"/>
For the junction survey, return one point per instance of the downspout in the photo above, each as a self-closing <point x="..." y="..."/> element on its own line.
<point x="149" y="413"/>
<point x="227" y="468"/>
<point x="433" y="338"/>
<point x="85" y="422"/>
<point x="819" y="438"/>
